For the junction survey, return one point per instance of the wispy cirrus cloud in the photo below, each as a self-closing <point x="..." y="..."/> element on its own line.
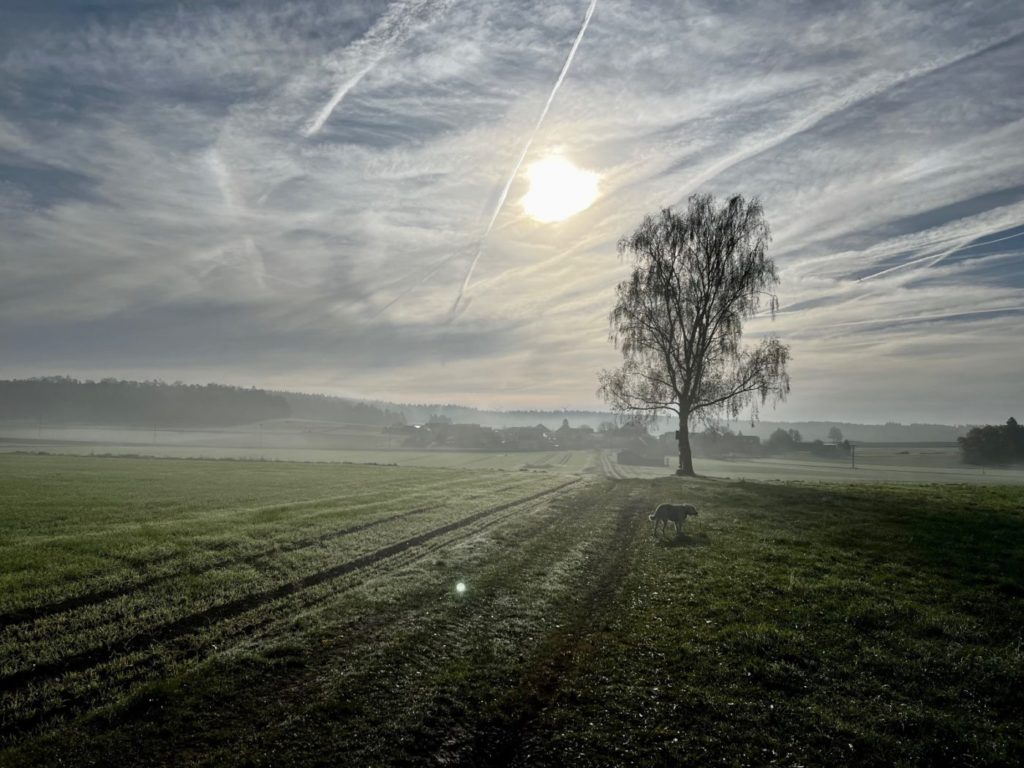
<point x="292" y="193"/>
<point x="360" y="57"/>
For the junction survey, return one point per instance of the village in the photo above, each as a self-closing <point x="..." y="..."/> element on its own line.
<point x="633" y="442"/>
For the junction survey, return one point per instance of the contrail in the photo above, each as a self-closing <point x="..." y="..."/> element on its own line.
<point x="522" y="156"/>
<point x="918" y="318"/>
<point x="433" y="270"/>
<point x="318" y="122"/>
<point x="936" y="258"/>
<point x="857" y="94"/>
<point x="392" y="28"/>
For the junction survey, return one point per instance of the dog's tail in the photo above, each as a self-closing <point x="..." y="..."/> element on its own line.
<point x="650" y="517"/>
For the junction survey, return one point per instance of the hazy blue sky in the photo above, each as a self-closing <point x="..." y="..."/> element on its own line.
<point x="240" y="191"/>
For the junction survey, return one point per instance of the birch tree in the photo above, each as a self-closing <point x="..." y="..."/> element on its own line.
<point x="678" y="319"/>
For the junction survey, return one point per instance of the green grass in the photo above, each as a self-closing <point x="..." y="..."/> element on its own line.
<point x="565" y="462"/>
<point x="287" y="440"/>
<point x="874" y="467"/>
<point x="791" y="624"/>
<point x="110" y="519"/>
<point x="811" y="625"/>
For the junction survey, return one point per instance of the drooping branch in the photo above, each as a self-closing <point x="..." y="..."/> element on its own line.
<point x="678" y="318"/>
<point x="760" y="372"/>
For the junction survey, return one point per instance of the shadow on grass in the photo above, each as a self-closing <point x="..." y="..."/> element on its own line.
<point x="968" y="534"/>
<point x="682" y="539"/>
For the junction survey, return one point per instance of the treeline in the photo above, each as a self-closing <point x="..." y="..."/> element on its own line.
<point x="994" y="444"/>
<point x="890" y="432"/>
<point x="64" y="400"/>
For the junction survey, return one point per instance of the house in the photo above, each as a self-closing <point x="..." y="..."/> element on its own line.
<point x="567" y="437"/>
<point x="538" y="438"/>
<point x="472" y="437"/>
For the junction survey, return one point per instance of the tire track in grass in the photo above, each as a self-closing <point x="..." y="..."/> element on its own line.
<point x="409" y="558"/>
<point x="433" y="640"/>
<point x="185" y="513"/>
<point x="611" y="469"/>
<point x="143" y="665"/>
<point x="23" y="615"/>
<point x="259" y="625"/>
<point x="34" y="613"/>
<point x="428" y="728"/>
<point x="417" y="554"/>
<point x="219" y="513"/>
<point x="501" y="744"/>
<point x="171" y="630"/>
<point x="262" y="626"/>
<point x="269" y="555"/>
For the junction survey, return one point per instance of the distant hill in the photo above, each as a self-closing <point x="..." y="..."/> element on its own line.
<point x="65" y="400"/>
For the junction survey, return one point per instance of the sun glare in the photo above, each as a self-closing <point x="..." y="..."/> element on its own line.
<point x="558" y="189"/>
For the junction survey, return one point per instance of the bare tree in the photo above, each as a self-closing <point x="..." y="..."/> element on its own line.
<point x="678" y="319"/>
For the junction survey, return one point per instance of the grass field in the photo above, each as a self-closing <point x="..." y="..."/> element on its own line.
<point x="878" y="466"/>
<point x="281" y="614"/>
<point x="285" y="440"/>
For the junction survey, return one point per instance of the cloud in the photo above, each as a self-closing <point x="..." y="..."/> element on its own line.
<point x="522" y="155"/>
<point x="358" y="59"/>
<point x="288" y="192"/>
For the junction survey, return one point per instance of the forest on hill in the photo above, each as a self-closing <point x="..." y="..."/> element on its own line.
<point x="64" y="400"/>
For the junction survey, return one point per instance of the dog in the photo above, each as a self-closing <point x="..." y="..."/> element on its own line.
<point x="677" y="513"/>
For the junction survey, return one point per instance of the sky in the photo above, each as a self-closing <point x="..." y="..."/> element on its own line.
<point x="292" y="194"/>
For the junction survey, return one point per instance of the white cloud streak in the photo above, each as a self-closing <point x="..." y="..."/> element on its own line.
<point x="522" y="156"/>
<point x="328" y="109"/>
<point x="387" y="33"/>
<point x="871" y="87"/>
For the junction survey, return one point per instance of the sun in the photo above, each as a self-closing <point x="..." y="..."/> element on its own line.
<point x="558" y="189"/>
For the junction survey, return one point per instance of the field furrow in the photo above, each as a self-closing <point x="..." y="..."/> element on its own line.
<point x="117" y="558"/>
<point x="123" y="619"/>
<point x="34" y="681"/>
<point x="278" y="548"/>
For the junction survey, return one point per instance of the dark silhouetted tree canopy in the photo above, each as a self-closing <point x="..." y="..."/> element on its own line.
<point x="994" y="444"/>
<point x="678" y="319"/>
<point x="61" y="399"/>
<point x="783" y="439"/>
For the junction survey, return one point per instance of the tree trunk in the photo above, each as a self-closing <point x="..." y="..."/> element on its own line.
<point x="685" y="456"/>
